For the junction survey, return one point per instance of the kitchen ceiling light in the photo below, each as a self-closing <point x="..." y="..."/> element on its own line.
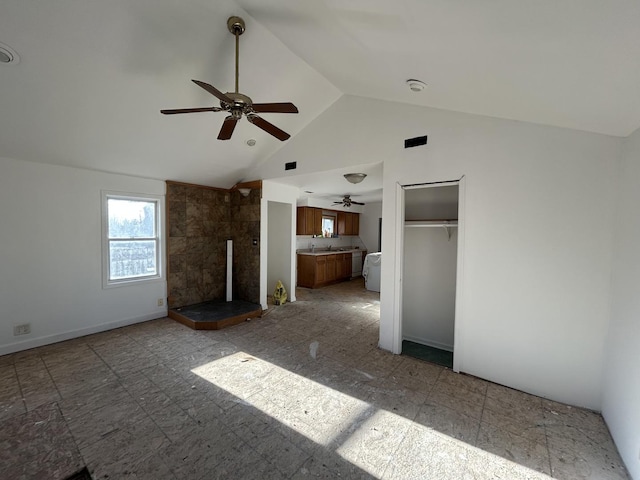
<point x="8" y="55"/>
<point x="416" y="85"/>
<point x="244" y="191"/>
<point x="251" y="142"/>
<point x="354" y="177"/>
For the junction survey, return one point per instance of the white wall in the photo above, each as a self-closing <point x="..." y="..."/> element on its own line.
<point x="279" y="246"/>
<point x="51" y="257"/>
<point x="369" y="222"/>
<point x="429" y="286"/>
<point x="276" y="192"/>
<point x="538" y="241"/>
<point x="538" y="225"/>
<point x="621" y="398"/>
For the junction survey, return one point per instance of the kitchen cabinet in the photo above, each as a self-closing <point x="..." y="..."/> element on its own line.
<point x="348" y="223"/>
<point x="331" y="267"/>
<point x="320" y="270"/>
<point x="320" y="274"/>
<point x="308" y="221"/>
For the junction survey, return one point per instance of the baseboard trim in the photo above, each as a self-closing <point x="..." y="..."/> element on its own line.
<point x="82" y="332"/>
<point x="429" y="343"/>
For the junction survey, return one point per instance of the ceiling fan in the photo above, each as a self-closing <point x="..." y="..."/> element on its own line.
<point x="238" y="104"/>
<point x="347" y="202"/>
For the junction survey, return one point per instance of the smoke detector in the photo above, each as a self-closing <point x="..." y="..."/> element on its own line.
<point x="8" y="55"/>
<point x="416" y="85"/>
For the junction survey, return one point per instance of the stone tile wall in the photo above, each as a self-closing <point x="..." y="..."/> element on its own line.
<point x="245" y="229"/>
<point x="199" y="222"/>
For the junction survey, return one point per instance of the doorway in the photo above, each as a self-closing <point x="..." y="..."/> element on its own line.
<point x="429" y="271"/>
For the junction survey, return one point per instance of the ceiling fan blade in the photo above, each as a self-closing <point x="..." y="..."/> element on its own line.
<point x="213" y="91"/>
<point x="227" y="128"/>
<point x="268" y="127"/>
<point x="284" y="107"/>
<point x="356" y="203"/>
<point x="190" y="110"/>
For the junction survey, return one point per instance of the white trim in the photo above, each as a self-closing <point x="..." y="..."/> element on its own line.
<point x="458" y="356"/>
<point x="264" y="248"/>
<point x="160" y="250"/>
<point x="229" y="270"/>
<point x="429" y="343"/>
<point x="81" y="332"/>
<point x="397" y="293"/>
<point x="397" y="308"/>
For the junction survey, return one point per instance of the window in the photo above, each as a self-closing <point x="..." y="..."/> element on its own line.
<point x="328" y="226"/>
<point x="131" y="239"/>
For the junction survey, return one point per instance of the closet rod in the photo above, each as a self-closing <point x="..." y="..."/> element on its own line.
<point x="430" y="223"/>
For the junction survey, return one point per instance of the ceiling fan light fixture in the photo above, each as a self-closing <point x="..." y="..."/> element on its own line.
<point x="237" y="104"/>
<point x="416" y="85"/>
<point x="355" y="177"/>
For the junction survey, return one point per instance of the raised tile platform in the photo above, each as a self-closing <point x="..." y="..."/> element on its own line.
<point x="216" y="314"/>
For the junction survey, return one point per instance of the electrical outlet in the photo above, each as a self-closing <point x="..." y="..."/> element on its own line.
<point x="23" y="329"/>
<point x="160" y="302"/>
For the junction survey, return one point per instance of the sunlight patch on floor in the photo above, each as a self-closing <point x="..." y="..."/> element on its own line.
<point x="310" y="408"/>
<point x="375" y="440"/>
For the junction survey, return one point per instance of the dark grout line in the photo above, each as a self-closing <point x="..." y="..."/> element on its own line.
<point x="24" y="402"/>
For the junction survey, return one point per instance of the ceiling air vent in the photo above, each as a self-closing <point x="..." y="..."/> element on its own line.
<point x="290" y="165"/>
<point x="415" y="142"/>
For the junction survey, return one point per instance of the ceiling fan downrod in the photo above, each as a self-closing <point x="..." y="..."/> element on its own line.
<point x="237" y="27"/>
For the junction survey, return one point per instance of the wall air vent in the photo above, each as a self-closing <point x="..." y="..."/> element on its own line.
<point x="415" y="142"/>
<point x="290" y="165"/>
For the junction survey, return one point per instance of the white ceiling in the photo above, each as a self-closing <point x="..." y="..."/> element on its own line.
<point x="93" y="74"/>
<point x="569" y="63"/>
<point x="332" y="186"/>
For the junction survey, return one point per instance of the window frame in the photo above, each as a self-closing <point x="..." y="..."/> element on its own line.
<point x="158" y="200"/>
<point x="333" y="226"/>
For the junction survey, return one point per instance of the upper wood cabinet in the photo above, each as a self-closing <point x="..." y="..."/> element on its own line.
<point x="348" y="223"/>
<point x="356" y="223"/>
<point x="308" y="221"/>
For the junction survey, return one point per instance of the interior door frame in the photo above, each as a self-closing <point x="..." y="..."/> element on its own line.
<point x="458" y="331"/>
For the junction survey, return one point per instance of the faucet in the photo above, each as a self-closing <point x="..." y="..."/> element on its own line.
<point x="329" y="248"/>
<point x="313" y="247"/>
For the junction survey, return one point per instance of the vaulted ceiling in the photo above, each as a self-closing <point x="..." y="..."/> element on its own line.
<point x="93" y="75"/>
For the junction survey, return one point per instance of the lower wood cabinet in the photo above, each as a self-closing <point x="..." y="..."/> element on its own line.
<point x="320" y="270"/>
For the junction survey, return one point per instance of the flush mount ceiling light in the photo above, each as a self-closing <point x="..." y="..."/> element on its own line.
<point x="354" y="177"/>
<point x="416" y="85"/>
<point x="251" y="142"/>
<point x="8" y="55"/>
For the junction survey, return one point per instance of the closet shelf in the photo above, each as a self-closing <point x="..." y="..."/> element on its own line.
<point x="431" y="223"/>
<point x="446" y="224"/>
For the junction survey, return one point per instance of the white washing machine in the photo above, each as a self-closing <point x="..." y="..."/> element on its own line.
<point x="371" y="271"/>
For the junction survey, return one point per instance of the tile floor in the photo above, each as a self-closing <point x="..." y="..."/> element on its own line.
<point x="301" y="393"/>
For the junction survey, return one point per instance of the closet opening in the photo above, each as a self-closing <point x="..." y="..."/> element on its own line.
<point x="429" y="271"/>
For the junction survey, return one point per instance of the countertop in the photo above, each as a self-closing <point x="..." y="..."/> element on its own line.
<point x="333" y="251"/>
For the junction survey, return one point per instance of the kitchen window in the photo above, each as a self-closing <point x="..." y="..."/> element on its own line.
<point x="131" y="243"/>
<point x="328" y="226"/>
